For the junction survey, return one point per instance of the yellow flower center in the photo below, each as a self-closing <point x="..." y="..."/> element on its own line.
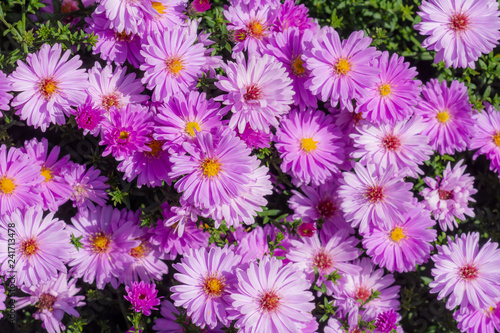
<point x="100" y="242"/>
<point x="138" y="251"/>
<point x="308" y="144"/>
<point x="443" y="116"/>
<point x="158" y="6"/>
<point x="48" y="87"/>
<point x="214" y="286"/>
<point x="397" y="234"/>
<point x="342" y="67"/>
<point x="191" y="126"/>
<point x="123" y="135"/>
<point x="174" y="65"/>
<point x="29" y="247"/>
<point x="255" y="29"/>
<point x="298" y="67"/>
<point x="210" y="167"/>
<point x="496" y="139"/>
<point x="47" y="174"/>
<point x="7" y="185"/>
<point x="123" y="37"/>
<point x="384" y="90"/>
<point x="155" y="146"/>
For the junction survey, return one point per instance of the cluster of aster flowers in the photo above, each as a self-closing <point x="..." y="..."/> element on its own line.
<point x="350" y="127"/>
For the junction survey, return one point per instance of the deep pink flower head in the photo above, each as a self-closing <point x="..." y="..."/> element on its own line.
<point x="485" y="320"/>
<point x="89" y="117"/>
<point x="386" y="321"/>
<point x="460" y="31"/>
<point x="5" y="96"/>
<point x="486" y="136"/>
<point x="306" y="229"/>
<point x="89" y="187"/>
<point x="290" y="15"/>
<point x="143" y="297"/>
<point x="255" y="139"/>
<point x="199" y="6"/>
<point x="467" y="273"/>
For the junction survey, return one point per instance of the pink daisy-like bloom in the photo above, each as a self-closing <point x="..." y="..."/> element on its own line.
<point x="53" y="299"/>
<point x="20" y="180"/>
<point x="89" y="117"/>
<point x="199" y="6"/>
<point x="394" y="94"/>
<point x="447" y="114"/>
<point x="5" y="88"/>
<point x="459" y="30"/>
<point x="287" y="47"/>
<point x="258" y="92"/>
<point x="340" y="70"/>
<point x="401" y="145"/>
<point x="48" y="85"/>
<point x="448" y="197"/>
<point x="467" y="273"/>
<point x="471" y="320"/>
<point x="54" y="189"/>
<point x="217" y="169"/>
<point x="255" y="139"/>
<point x="310" y="146"/>
<point x="290" y="15"/>
<point x="399" y="245"/>
<point x="127" y="131"/>
<point x="207" y="279"/>
<point x="371" y="197"/>
<point x="114" y="88"/>
<point x="108" y="236"/>
<point x="182" y="116"/>
<point x="486" y="136"/>
<point x="125" y="15"/>
<point x="168" y="14"/>
<point x="271" y="297"/>
<point x="42" y="246"/>
<point x="174" y="62"/>
<point x="143" y="297"/>
<point x="89" y="187"/>
<point x="386" y="321"/>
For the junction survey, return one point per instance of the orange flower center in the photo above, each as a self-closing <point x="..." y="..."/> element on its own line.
<point x="342" y="67"/>
<point x="29" y="247"/>
<point x="48" y="87"/>
<point x="7" y="185"/>
<point x="214" y="285"/>
<point x="298" y="67"/>
<point x="174" y="66"/>
<point x="100" y="242"/>
<point x="210" y="167"/>
<point x="270" y="301"/>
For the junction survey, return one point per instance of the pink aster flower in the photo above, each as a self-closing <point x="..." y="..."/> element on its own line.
<point x="199" y="6"/>
<point x="207" y="280"/>
<point x="401" y="145"/>
<point x="371" y="197"/>
<point x="448" y="197"/>
<point x="48" y="85"/>
<point x="53" y="299"/>
<point x="173" y="62"/>
<point x="486" y="136"/>
<point x="399" y="245"/>
<point x="310" y="146"/>
<point x="471" y="320"/>
<point x="167" y="15"/>
<point x="124" y="15"/>
<point x="255" y="139"/>
<point x="394" y="94"/>
<point x="143" y="297"/>
<point x="89" y="118"/>
<point x="290" y="15"/>
<point x="340" y="70"/>
<point x="386" y="321"/>
<point x="42" y="246"/>
<point x="89" y="187"/>
<point x="271" y="297"/>
<point x="466" y="273"/>
<point x="447" y="114"/>
<point x="259" y="92"/>
<point x="5" y="88"/>
<point x="459" y="30"/>
<point x="108" y="236"/>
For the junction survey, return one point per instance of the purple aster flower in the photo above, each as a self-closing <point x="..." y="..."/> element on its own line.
<point x="386" y="321"/>
<point x="167" y="15"/>
<point x="117" y="89"/>
<point x="174" y="62"/>
<point x="207" y="279"/>
<point x="287" y="47"/>
<point x="127" y="131"/>
<point x="54" y="189"/>
<point x="394" y="94"/>
<point x="53" y="299"/>
<point x="486" y="136"/>
<point x="20" y="180"/>
<point x="447" y="114"/>
<point x="89" y="118"/>
<point x="143" y="297"/>
<point x="42" y="246"/>
<point x="290" y="15"/>
<point x="5" y="88"/>
<point x="473" y="320"/>
<point x="255" y="139"/>
<point x="399" y="245"/>
<point x="199" y="6"/>
<point x="448" y="197"/>
<point x="124" y="15"/>
<point x="48" y="85"/>
<point x="146" y="265"/>
<point x="371" y="197"/>
<point x="259" y="92"/>
<point x="340" y="71"/>
<point x="311" y="147"/>
<point x="108" y="236"/>
<point x="89" y="187"/>
<point x="459" y="30"/>
<point x="467" y="273"/>
<point x="401" y="145"/>
<point x="182" y="116"/>
<point x="271" y="297"/>
<point x="217" y="169"/>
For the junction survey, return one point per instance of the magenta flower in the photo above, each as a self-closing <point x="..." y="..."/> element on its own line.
<point x="386" y="321"/>
<point x="48" y="85"/>
<point x="255" y="139"/>
<point x="311" y="147"/>
<point x="394" y="94"/>
<point x="340" y="70"/>
<point x="486" y="136"/>
<point x="271" y="297"/>
<point x="290" y="15"/>
<point x="199" y="6"/>
<point x="89" y="187"/>
<point x="459" y="30"/>
<point x="258" y="92"/>
<point x="486" y="320"/>
<point x="447" y="114"/>
<point x="306" y="229"/>
<point x="143" y="297"/>
<point x="42" y="246"/>
<point x="448" y="197"/>
<point x="53" y="299"/>
<point x="5" y="96"/>
<point x="89" y="118"/>
<point x="467" y="273"/>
